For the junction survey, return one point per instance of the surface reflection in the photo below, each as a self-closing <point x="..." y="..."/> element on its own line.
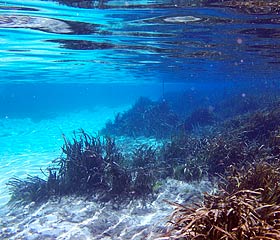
<point x="162" y="36"/>
<point x="44" y="24"/>
<point x="84" y="4"/>
<point x="132" y="4"/>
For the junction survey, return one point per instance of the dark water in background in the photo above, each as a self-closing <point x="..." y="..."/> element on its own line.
<point x="70" y="55"/>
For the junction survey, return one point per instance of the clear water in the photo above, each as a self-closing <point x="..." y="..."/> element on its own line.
<point x="67" y="65"/>
<point x="60" y="43"/>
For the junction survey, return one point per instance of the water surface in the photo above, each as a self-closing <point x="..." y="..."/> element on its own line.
<point x="113" y="41"/>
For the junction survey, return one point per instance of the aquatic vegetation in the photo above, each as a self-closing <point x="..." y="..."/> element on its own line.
<point x="95" y="165"/>
<point x="224" y="150"/>
<point x="200" y="117"/>
<point x="185" y="102"/>
<point x="237" y="141"/>
<point x="245" y="153"/>
<point x="246" y="208"/>
<point x="143" y="182"/>
<point x="144" y="156"/>
<point x="183" y="158"/>
<point x="145" y="169"/>
<point x="244" y="139"/>
<point x="259" y="125"/>
<point x="238" y="104"/>
<point x="227" y="216"/>
<point x="145" y="118"/>
<point x="157" y="186"/>
<point x="89" y="165"/>
<point x="31" y="189"/>
<point x="190" y="171"/>
<point x="262" y="176"/>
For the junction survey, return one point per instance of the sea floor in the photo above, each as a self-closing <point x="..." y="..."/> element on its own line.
<point x="77" y="218"/>
<point x="28" y="146"/>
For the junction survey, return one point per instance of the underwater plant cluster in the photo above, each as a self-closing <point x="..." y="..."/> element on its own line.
<point x="180" y="113"/>
<point x="145" y="118"/>
<point x="241" y="154"/>
<point x="88" y="165"/>
<point x="246" y="155"/>
<point x="246" y="207"/>
<point x="155" y="119"/>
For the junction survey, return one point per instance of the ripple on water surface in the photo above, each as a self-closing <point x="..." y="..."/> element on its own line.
<point x="97" y="41"/>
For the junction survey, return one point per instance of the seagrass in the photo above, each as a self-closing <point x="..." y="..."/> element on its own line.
<point x="243" y="210"/>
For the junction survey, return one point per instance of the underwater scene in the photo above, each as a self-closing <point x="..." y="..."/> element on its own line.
<point x="140" y="119"/>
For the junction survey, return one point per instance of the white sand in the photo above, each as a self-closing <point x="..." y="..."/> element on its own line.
<point x="77" y="218"/>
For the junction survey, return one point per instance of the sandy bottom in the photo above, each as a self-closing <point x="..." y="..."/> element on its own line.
<point x="28" y="146"/>
<point x="80" y="218"/>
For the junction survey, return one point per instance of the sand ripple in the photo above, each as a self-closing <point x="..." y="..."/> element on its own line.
<point x="76" y="218"/>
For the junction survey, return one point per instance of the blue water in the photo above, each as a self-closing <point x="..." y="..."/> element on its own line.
<point x="56" y="42"/>
<point x="67" y="65"/>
